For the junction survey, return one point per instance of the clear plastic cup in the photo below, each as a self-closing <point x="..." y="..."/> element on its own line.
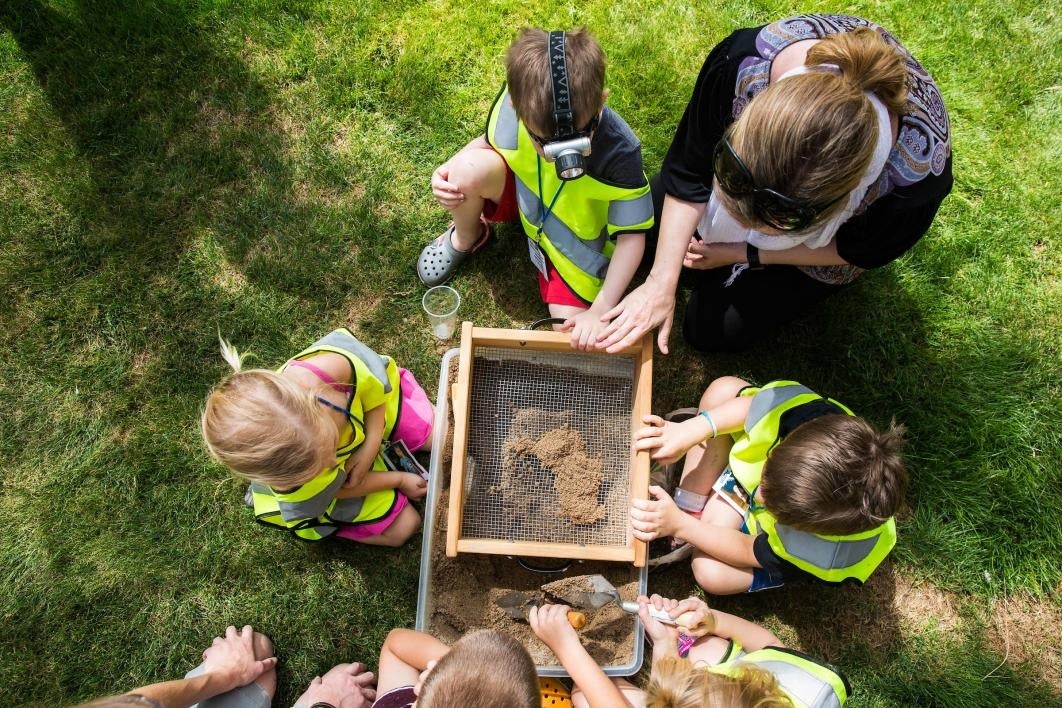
<point x="440" y="304"/>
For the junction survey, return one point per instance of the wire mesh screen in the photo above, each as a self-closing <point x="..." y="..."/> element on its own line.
<point x="548" y="447"/>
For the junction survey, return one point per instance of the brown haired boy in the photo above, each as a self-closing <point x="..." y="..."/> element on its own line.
<point x="567" y="166"/>
<point x="779" y="484"/>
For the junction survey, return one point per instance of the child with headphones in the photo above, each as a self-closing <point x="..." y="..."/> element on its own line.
<point x="568" y="167"/>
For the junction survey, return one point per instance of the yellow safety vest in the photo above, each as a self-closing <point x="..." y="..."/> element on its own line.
<point x="808" y="682"/>
<point x="579" y="233"/>
<point x="833" y="559"/>
<point x="312" y="511"/>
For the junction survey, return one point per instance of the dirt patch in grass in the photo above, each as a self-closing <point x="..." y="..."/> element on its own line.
<point x="1028" y="632"/>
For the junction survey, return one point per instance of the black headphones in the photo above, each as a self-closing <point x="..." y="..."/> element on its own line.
<point x="569" y="146"/>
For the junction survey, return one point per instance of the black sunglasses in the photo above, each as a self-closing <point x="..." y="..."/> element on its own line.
<point x="585" y="133"/>
<point x="772" y="208"/>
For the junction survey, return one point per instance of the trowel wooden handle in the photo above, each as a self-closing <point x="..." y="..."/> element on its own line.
<point x="685" y="620"/>
<point x="576" y="619"/>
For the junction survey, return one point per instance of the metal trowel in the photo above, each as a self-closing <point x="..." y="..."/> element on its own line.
<point x="518" y="604"/>
<point x="594" y="591"/>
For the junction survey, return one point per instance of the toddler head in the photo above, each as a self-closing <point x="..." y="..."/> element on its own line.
<point x="835" y="475"/>
<point x="530" y="84"/>
<point x="265" y="427"/>
<point x="677" y="683"/>
<point x="484" y="668"/>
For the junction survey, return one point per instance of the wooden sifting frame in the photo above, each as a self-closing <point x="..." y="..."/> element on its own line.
<point x="546" y="341"/>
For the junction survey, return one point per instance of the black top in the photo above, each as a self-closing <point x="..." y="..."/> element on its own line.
<point x="905" y="203"/>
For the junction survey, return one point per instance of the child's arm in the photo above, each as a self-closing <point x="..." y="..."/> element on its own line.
<point x="670" y="441"/>
<point x="651" y="519"/>
<point x="404" y="655"/>
<point x="749" y="635"/>
<point x="550" y="624"/>
<point x="587" y="326"/>
<point x="360" y="463"/>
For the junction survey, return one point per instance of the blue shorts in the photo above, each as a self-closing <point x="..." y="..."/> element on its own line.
<point x="763" y="578"/>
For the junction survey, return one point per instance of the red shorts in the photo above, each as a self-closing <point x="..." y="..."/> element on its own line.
<point x="507" y="209"/>
<point x="553" y="291"/>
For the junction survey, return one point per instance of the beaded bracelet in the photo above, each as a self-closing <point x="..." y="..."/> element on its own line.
<point x="708" y="417"/>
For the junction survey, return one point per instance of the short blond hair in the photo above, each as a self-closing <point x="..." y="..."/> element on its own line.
<point x="530" y="84"/>
<point x="486" y="669"/>
<point x="677" y="683"/>
<point x="812" y="136"/>
<point x="264" y="427"/>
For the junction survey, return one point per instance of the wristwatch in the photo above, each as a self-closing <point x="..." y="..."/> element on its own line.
<point x="752" y="256"/>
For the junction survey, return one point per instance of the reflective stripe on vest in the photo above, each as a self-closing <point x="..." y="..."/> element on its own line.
<point x="364" y="362"/>
<point x="631" y="212"/>
<point x="584" y="254"/>
<point x="343" y="339"/>
<point x="809" y="683"/>
<point x="773" y="396"/>
<point x="830" y="558"/>
<point x="588" y="214"/>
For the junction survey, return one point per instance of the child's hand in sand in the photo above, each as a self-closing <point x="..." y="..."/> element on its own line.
<point x="413" y="486"/>
<point x="653" y="519"/>
<point x="550" y="624"/>
<point x="667" y="441"/>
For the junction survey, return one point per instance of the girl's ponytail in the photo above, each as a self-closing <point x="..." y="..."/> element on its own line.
<point x="230" y="354"/>
<point x="866" y="61"/>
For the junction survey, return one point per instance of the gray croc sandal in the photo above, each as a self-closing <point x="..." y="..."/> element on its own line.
<point x="439" y="260"/>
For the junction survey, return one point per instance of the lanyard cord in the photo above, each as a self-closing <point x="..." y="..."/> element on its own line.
<point x="541" y="201"/>
<point x="345" y="411"/>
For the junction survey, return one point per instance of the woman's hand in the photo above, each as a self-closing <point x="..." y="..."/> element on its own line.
<point x="648" y="306"/>
<point x="668" y="441"/>
<point x="704" y="256"/>
<point x="412" y="485"/>
<point x="444" y="191"/>
<point x="232" y="656"/>
<point x="655" y="519"/>
<point x="550" y="624"/>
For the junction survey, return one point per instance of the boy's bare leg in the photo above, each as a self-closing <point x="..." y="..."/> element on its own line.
<point x="704" y="462"/>
<point x="715" y="576"/>
<point x="480" y="175"/>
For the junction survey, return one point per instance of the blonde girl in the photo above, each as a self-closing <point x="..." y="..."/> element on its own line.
<point x="732" y="663"/>
<point x="308" y="438"/>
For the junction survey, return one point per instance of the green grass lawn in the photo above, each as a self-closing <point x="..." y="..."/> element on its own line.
<point x="169" y="170"/>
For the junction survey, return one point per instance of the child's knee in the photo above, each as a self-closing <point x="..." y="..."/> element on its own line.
<point x="478" y="172"/>
<point x="722" y="390"/>
<point x="712" y="575"/>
